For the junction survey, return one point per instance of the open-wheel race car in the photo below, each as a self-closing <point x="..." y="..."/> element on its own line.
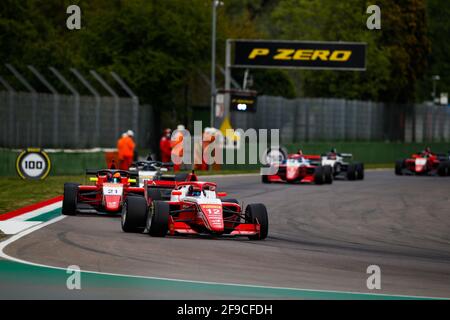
<point x="342" y="165"/>
<point x="194" y="208"/>
<point x="106" y="196"/>
<point x="300" y="168"/>
<point x="424" y="163"/>
<point x="155" y="171"/>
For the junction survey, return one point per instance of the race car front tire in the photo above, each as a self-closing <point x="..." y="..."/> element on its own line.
<point x="158" y="219"/>
<point x="134" y="214"/>
<point x="399" y="167"/>
<point x="442" y="169"/>
<point x="265" y="179"/>
<point x="328" y="173"/>
<point x="351" y="172"/>
<point x="360" y="171"/>
<point x="319" y="176"/>
<point x="69" y="206"/>
<point x="257" y="212"/>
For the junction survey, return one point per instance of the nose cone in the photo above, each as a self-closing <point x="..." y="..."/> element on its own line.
<point x="291" y="173"/>
<point x="214" y="216"/>
<point x="112" y="203"/>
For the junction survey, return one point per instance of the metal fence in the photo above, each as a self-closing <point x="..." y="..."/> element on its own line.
<point x="66" y="121"/>
<point x="317" y="119"/>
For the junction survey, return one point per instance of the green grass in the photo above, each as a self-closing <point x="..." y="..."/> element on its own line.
<point x="16" y="193"/>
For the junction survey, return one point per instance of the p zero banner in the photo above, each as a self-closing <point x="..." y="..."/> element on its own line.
<point x="299" y="54"/>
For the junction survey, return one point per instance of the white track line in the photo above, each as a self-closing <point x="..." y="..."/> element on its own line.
<point x="16" y="237"/>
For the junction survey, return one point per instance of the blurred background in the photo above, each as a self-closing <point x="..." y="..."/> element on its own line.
<point x="145" y="65"/>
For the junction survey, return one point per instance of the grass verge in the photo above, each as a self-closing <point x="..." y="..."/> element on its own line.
<point x="17" y="193"/>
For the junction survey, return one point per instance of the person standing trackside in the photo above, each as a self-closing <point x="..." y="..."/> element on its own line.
<point x="125" y="147"/>
<point x="165" y="147"/>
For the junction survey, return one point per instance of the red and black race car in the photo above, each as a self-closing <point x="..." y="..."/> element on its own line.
<point x="106" y="196"/>
<point x="194" y="208"/>
<point x="111" y="189"/>
<point x="300" y="168"/>
<point x="424" y="163"/>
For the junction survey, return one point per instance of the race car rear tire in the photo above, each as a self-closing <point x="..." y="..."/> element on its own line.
<point x="158" y="219"/>
<point x="442" y="169"/>
<point x="351" y="172"/>
<point x="154" y="194"/>
<point x="360" y="171"/>
<point x="328" y="172"/>
<point x="134" y="214"/>
<point x="399" y="167"/>
<point x="69" y="206"/>
<point x="319" y="176"/>
<point x="181" y="176"/>
<point x="265" y="179"/>
<point x="257" y="212"/>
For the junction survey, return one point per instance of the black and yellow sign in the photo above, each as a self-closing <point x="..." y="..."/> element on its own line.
<point x="243" y="102"/>
<point x="33" y="163"/>
<point x="299" y="54"/>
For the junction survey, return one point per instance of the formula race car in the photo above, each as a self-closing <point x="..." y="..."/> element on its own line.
<point x="424" y="163"/>
<point x="342" y="165"/>
<point x="300" y="168"/>
<point x="154" y="171"/>
<point x="111" y="189"/>
<point x="194" y="208"/>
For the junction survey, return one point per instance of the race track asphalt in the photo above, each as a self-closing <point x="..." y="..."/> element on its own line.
<point x="320" y="237"/>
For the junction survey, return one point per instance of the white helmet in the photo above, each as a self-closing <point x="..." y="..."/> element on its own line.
<point x="130" y="133"/>
<point x="180" y="127"/>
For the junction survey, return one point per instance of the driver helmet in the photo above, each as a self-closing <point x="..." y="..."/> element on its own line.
<point x="116" y="177"/>
<point x="333" y="150"/>
<point x="193" y="192"/>
<point x="300" y="152"/>
<point x="427" y="150"/>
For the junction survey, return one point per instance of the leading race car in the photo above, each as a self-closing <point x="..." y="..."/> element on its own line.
<point x="424" y="163"/>
<point x="300" y="168"/>
<point x="106" y="196"/>
<point x="194" y="208"/>
<point x="342" y="165"/>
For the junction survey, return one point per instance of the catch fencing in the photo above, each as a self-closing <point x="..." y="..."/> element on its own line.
<point x="319" y="119"/>
<point x="68" y="121"/>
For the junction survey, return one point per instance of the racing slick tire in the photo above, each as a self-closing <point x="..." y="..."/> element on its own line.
<point x="265" y="179"/>
<point x="134" y="214"/>
<point x="154" y="194"/>
<point x="399" y="164"/>
<point x="328" y="173"/>
<point x="275" y="155"/>
<point x="442" y="169"/>
<point x="360" y="171"/>
<point x="319" y="175"/>
<point x="351" y="172"/>
<point x="158" y="219"/>
<point x="181" y="176"/>
<point x="258" y="212"/>
<point x="69" y="206"/>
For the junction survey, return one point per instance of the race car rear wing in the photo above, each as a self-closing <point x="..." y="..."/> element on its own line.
<point x="346" y="155"/>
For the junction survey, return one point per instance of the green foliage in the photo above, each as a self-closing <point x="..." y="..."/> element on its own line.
<point x="158" y="46"/>
<point x="396" y="56"/>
